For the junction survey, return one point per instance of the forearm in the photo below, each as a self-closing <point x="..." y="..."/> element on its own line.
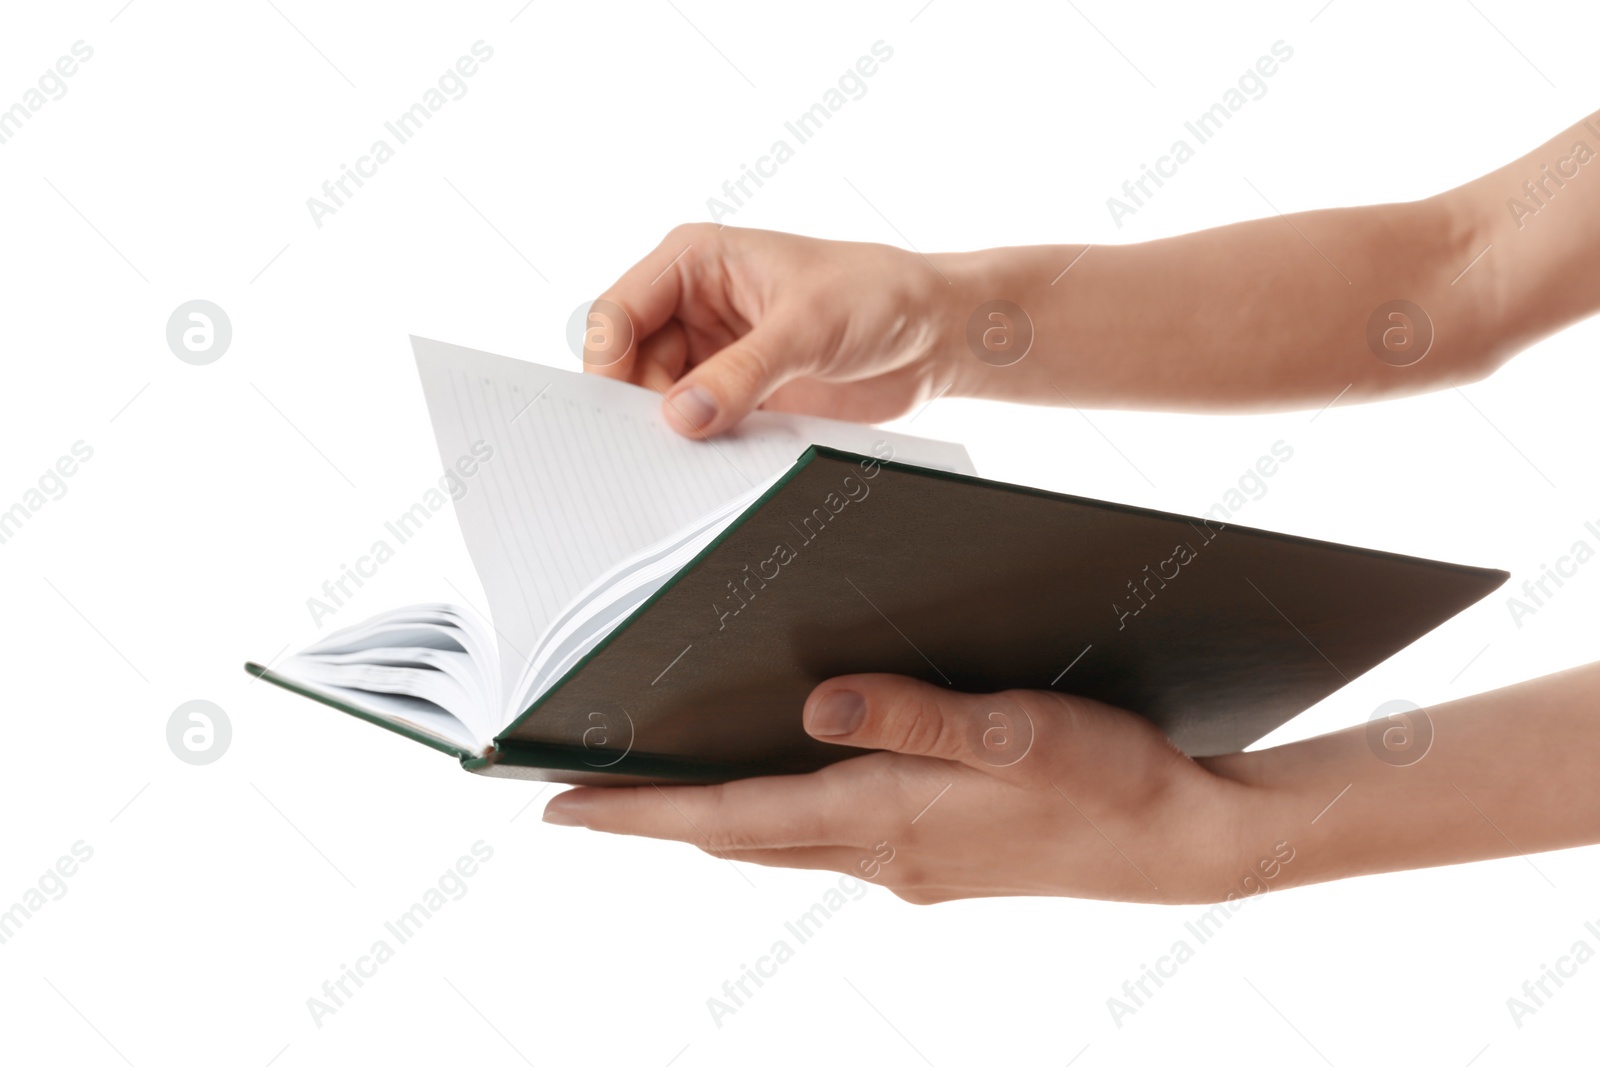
<point x="1275" y="313"/>
<point x="1509" y="771"/>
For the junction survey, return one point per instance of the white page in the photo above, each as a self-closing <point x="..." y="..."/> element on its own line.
<point x="584" y="472"/>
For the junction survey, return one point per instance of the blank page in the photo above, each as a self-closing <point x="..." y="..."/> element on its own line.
<point x="584" y="472"/>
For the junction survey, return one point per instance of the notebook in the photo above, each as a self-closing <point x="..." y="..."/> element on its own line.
<point x="659" y="608"/>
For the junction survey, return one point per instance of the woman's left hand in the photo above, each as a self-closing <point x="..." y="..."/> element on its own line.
<point x="1010" y="794"/>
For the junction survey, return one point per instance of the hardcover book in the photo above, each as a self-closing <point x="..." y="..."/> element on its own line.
<point x="659" y="608"/>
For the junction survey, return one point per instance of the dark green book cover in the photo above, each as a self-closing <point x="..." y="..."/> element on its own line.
<point x="1216" y="633"/>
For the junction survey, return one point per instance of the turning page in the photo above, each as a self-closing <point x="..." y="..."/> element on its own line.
<point x="584" y="472"/>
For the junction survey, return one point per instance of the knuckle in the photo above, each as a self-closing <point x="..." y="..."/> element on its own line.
<point x="920" y="897"/>
<point x="907" y="873"/>
<point x="735" y="822"/>
<point x="1031" y="723"/>
<point x="1067" y="716"/>
<point x="716" y="828"/>
<point x="720" y="840"/>
<point x="921" y="724"/>
<point x="686" y="232"/>
<point x="724" y="841"/>
<point x="752" y="363"/>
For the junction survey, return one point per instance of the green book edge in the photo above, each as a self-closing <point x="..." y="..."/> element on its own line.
<point x="349" y="709"/>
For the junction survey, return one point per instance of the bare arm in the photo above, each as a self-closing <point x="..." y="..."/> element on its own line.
<point x="1275" y="313"/>
<point x="1501" y="773"/>
<point x="1279" y="312"/>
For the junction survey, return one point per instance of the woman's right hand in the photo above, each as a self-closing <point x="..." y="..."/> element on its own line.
<point x="724" y="321"/>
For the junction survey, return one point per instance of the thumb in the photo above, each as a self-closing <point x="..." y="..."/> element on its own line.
<point x="720" y="392"/>
<point x="898" y="714"/>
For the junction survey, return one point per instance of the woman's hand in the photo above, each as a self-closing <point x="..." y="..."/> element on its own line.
<point x="724" y="321"/>
<point x="1017" y="793"/>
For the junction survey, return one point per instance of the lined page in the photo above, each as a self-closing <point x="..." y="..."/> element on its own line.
<point x="584" y="472"/>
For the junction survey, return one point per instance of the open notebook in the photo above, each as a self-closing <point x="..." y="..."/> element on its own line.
<point x="659" y="608"/>
<point x="586" y="505"/>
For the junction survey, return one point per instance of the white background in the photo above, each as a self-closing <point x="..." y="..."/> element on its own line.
<point x="218" y="498"/>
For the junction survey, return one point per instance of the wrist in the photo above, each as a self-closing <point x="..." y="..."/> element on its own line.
<point x="1322" y="796"/>
<point x="1003" y="321"/>
<point x="982" y="341"/>
<point x="1256" y="833"/>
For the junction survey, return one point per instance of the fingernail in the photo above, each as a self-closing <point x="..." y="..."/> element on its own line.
<point x="694" y="405"/>
<point x="837" y="713"/>
<point x="560" y="816"/>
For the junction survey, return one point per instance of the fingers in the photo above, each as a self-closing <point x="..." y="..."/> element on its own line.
<point x="725" y="388"/>
<point x="661" y="358"/>
<point x="643" y="312"/>
<point x="794" y="811"/>
<point x="887" y="711"/>
<point x="647" y="294"/>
